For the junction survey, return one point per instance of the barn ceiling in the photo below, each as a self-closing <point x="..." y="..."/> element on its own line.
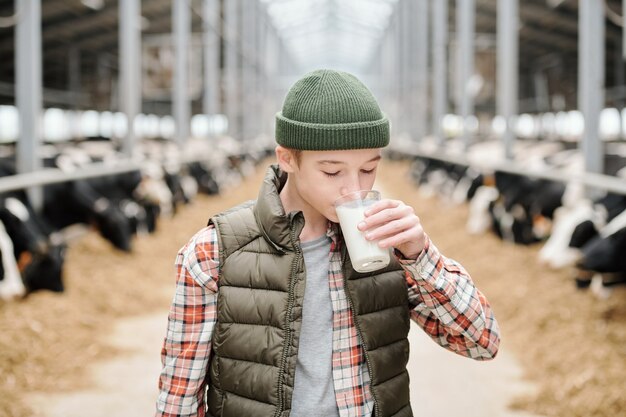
<point x="328" y="33"/>
<point x="317" y="32"/>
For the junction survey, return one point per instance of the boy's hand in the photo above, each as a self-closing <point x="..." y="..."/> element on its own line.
<point x="394" y="224"/>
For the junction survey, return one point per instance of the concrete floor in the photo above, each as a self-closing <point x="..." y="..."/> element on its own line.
<point x="126" y="386"/>
<point x="442" y="384"/>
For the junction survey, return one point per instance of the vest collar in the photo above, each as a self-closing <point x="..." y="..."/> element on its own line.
<point x="275" y="225"/>
<point x="270" y="214"/>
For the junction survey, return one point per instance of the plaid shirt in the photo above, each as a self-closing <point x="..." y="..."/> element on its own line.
<point x="442" y="300"/>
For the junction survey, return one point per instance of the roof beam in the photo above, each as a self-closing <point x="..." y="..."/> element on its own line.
<point x="528" y="31"/>
<point x="543" y="16"/>
<point x="104" y="40"/>
<point x="91" y="24"/>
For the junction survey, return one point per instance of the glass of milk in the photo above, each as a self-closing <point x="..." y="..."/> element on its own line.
<point x="365" y="255"/>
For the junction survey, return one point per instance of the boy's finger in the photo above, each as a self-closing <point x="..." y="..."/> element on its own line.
<point x="380" y="205"/>
<point x="390" y="229"/>
<point x="382" y="217"/>
<point x="396" y="240"/>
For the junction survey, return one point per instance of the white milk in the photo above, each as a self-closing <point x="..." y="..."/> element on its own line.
<point x="365" y="255"/>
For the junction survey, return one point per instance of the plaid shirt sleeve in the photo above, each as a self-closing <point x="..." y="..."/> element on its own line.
<point x="446" y="304"/>
<point x="192" y="317"/>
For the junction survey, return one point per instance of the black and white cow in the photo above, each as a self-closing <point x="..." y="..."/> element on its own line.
<point x="75" y="202"/>
<point x="523" y="206"/>
<point x="11" y="284"/>
<point x="204" y="177"/>
<point x="118" y="206"/>
<point x="576" y="224"/>
<point x="603" y="263"/>
<point x="454" y="182"/>
<point x="39" y="252"/>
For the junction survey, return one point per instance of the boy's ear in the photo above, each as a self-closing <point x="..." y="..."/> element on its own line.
<point x="286" y="159"/>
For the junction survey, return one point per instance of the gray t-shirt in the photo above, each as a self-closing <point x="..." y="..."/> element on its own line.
<point x="314" y="392"/>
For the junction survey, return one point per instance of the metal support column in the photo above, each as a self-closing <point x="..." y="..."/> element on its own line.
<point x="407" y="72"/>
<point x="211" y="45"/>
<point x="623" y="29"/>
<point x="239" y="70"/>
<point x="29" y="90"/>
<point x="591" y="80"/>
<point x="397" y="59"/>
<point x="395" y="76"/>
<point x="419" y="97"/>
<point x="619" y="79"/>
<point x="258" y="67"/>
<point x="391" y="72"/>
<point x="440" y="68"/>
<point x="464" y="62"/>
<point x="390" y="75"/>
<point x="271" y="56"/>
<point x="180" y="100"/>
<point x="507" y="70"/>
<point x="231" y="25"/>
<point x="247" y="68"/>
<point x="130" y="67"/>
<point x="103" y="88"/>
<point x="383" y="76"/>
<point x="74" y="73"/>
<point x="262" y="37"/>
<point x="276" y="83"/>
<point x="257" y="74"/>
<point x="542" y="93"/>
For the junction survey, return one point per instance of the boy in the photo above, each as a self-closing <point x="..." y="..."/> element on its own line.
<point x="269" y="314"/>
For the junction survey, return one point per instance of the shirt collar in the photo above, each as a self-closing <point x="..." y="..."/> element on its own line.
<point x="332" y="231"/>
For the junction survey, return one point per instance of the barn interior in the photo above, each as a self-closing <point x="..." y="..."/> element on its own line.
<point x="125" y="125"/>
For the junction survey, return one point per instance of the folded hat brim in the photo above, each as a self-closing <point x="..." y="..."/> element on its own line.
<point x="339" y="136"/>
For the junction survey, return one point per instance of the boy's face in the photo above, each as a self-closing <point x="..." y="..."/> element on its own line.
<point x="323" y="176"/>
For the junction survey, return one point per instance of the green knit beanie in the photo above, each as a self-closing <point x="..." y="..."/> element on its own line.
<point x="331" y="110"/>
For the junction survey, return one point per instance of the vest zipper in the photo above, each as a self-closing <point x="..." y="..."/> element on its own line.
<point x="358" y="330"/>
<point x="288" y="333"/>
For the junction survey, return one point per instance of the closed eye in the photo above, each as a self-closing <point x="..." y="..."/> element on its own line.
<point x="334" y="174"/>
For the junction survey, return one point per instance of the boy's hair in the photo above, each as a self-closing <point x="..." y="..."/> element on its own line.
<point x="297" y="155"/>
<point x="331" y="110"/>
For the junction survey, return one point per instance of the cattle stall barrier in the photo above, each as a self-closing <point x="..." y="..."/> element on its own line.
<point x="590" y="179"/>
<point x="46" y="176"/>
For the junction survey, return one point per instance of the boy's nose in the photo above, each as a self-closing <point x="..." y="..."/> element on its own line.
<point x="351" y="184"/>
<point x="348" y="190"/>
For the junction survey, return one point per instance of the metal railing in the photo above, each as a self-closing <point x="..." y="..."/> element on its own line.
<point x="47" y="176"/>
<point x="598" y="181"/>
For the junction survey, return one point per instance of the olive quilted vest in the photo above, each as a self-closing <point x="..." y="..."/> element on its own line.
<point x="261" y="289"/>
